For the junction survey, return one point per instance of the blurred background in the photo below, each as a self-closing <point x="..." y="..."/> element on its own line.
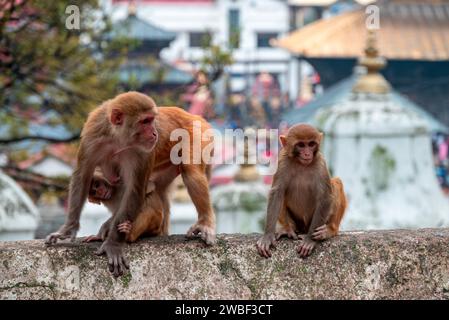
<point x="372" y="75"/>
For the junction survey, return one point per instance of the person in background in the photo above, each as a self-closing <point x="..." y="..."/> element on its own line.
<point x="265" y="90"/>
<point x="199" y="97"/>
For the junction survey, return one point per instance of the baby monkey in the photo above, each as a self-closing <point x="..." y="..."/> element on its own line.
<point x="303" y="197"/>
<point x="153" y="220"/>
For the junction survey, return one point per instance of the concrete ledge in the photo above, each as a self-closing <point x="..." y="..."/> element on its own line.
<point x="399" y="264"/>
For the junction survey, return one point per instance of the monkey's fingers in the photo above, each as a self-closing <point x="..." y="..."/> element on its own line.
<point x="92" y="239"/>
<point x="206" y="233"/>
<point x="54" y="237"/>
<point x="319" y="235"/>
<point x="263" y="251"/>
<point x="305" y="248"/>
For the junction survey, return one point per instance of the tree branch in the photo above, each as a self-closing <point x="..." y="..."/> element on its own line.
<point x="42" y="138"/>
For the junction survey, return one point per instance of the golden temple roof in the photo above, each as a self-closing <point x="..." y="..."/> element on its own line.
<point x="409" y="30"/>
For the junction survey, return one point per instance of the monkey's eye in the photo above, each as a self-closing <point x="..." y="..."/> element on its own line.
<point x="301" y="145"/>
<point x="312" y="144"/>
<point x="96" y="184"/>
<point x="147" y="120"/>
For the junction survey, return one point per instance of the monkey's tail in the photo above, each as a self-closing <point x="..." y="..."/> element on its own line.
<point x="340" y="193"/>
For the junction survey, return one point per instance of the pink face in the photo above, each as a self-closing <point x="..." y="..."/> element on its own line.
<point x="305" y="151"/>
<point x="142" y="130"/>
<point x="146" y="134"/>
<point x="100" y="190"/>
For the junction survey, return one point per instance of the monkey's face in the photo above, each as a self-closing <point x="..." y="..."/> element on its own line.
<point x="302" y="143"/>
<point x="132" y="116"/>
<point x="99" y="190"/>
<point x="146" y="135"/>
<point x="304" y="151"/>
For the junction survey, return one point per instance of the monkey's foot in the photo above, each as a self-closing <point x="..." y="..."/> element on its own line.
<point x="321" y="233"/>
<point x="93" y="238"/>
<point x="116" y="260"/>
<point x="125" y="227"/>
<point x="205" y="232"/>
<point x="265" y="243"/>
<point x="306" y="246"/>
<point x="63" y="233"/>
<point x="289" y="233"/>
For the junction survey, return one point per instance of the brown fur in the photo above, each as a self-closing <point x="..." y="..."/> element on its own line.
<point x="102" y="142"/>
<point x="303" y="198"/>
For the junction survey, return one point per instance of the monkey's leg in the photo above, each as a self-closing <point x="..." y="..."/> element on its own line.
<point x="195" y="179"/>
<point x="331" y="228"/>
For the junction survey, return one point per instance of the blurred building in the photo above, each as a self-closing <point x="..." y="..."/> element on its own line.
<point x="246" y="25"/>
<point x="143" y="69"/>
<point x="412" y="36"/>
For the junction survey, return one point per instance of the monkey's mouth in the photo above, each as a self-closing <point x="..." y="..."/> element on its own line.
<point x="305" y="161"/>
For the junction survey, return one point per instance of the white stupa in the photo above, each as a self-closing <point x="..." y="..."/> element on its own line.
<point x="382" y="152"/>
<point x="18" y="215"/>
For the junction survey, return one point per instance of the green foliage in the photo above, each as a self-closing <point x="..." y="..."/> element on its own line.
<point x="45" y="66"/>
<point x="215" y="58"/>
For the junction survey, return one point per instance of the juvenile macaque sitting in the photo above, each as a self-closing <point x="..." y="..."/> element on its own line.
<point x="303" y="198"/>
<point x="153" y="220"/>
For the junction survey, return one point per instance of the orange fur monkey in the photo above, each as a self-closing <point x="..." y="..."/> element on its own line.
<point x="128" y="137"/>
<point x="153" y="220"/>
<point x="303" y="198"/>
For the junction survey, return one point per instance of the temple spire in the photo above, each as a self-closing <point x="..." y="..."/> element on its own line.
<point x="372" y="81"/>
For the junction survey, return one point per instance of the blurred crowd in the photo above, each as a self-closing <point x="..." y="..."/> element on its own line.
<point x="261" y="106"/>
<point x="440" y="146"/>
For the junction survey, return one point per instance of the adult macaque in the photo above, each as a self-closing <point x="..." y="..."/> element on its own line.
<point x="303" y="198"/>
<point x="153" y="220"/>
<point x="128" y="137"/>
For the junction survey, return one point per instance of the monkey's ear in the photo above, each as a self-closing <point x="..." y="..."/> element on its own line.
<point x="117" y="117"/>
<point x="321" y="136"/>
<point x="283" y="140"/>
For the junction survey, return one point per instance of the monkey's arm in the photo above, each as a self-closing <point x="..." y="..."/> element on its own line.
<point x="275" y="202"/>
<point x="78" y="191"/>
<point x="130" y="206"/>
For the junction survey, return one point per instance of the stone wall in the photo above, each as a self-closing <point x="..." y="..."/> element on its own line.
<point x="395" y="264"/>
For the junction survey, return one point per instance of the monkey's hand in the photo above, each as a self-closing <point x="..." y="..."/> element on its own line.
<point x="116" y="260"/>
<point x="206" y="233"/>
<point x="321" y="233"/>
<point x="66" y="231"/>
<point x="125" y="227"/>
<point x="306" y="246"/>
<point x="289" y="233"/>
<point x="265" y="243"/>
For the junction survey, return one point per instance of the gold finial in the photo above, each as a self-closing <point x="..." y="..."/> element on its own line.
<point x="372" y="81"/>
<point x="247" y="172"/>
<point x="132" y="8"/>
